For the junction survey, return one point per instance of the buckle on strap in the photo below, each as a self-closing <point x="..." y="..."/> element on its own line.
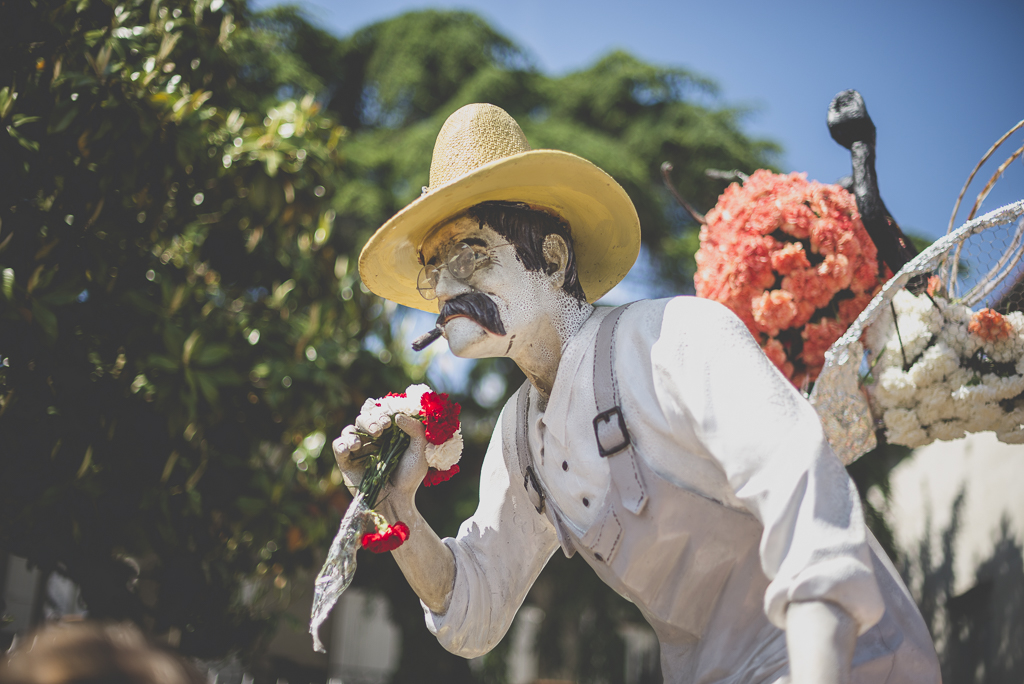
<point x="605" y="418"/>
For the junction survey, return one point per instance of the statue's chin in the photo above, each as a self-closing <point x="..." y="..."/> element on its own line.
<point x="467" y="338"/>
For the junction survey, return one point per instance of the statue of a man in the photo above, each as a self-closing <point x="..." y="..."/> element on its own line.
<point x="656" y="440"/>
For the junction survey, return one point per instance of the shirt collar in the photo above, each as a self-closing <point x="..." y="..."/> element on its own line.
<point x="556" y="414"/>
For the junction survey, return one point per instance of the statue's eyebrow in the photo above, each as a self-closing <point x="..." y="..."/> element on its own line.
<point x="471" y="241"/>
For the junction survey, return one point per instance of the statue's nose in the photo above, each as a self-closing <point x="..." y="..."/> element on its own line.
<point x="449" y="286"/>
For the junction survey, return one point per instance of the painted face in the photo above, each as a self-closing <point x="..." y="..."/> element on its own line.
<point x="492" y="270"/>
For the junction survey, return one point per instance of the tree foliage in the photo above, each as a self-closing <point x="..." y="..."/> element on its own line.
<point x="182" y="329"/>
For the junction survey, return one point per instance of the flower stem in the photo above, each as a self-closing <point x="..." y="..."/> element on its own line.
<point x="379" y="466"/>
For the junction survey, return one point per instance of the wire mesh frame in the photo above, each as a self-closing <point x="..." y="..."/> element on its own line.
<point x="837" y="395"/>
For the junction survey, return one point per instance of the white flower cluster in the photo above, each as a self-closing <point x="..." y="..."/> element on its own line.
<point x="955" y="380"/>
<point x="377" y="413"/>
<point x="444" y="456"/>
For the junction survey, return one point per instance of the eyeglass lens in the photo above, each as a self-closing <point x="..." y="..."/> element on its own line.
<point x="461" y="263"/>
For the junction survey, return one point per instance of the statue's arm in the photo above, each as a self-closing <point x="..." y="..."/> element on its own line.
<point x="820" y="638"/>
<point x="425" y="561"/>
<point x="472" y="585"/>
<point x="769" y="443"/>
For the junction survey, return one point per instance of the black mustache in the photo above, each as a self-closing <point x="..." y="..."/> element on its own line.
<point x="477" y="306"/>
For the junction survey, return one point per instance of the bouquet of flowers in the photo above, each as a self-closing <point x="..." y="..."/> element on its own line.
<point x="363" y="526"/>
<point x="943" y="370"/>
<point x="792" y="259"/>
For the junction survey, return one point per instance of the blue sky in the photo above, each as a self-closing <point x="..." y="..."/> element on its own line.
<point x="942" y="80"/>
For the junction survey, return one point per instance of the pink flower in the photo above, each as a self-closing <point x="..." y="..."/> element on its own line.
<point x="818" y="337"/>
<point x="790" y="258"/>
<point x="773" y="311"/>
<point x="849" y="309"/>
<point x="990" y="325"/>
<point x="779" y="251"/>
<point x="777" y="355"/>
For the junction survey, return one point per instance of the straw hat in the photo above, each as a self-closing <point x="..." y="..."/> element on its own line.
<point x="481" y="154"/>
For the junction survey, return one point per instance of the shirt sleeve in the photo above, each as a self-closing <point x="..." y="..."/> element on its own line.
<point x="499" y="552"/>
<point x="769" y="442"/>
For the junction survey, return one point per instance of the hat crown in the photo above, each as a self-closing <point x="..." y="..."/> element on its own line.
<point x="473" y="136"/>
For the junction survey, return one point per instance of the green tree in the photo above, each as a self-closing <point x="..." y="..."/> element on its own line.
<point x="181" y="327"/>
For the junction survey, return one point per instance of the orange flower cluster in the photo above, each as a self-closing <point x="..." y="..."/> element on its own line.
<point x="792" y="259"/>
<point x="990" y="325"/>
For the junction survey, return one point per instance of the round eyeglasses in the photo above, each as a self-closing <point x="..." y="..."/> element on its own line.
<point x="461" y="261"/>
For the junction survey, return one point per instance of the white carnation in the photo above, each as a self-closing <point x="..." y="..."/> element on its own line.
<point x="444" y="456"/>
<point x="903" y="427"/>
<point x="895" y="388"/>
<point x="935" y="404"/>
<point x="389" y="406"/>
<point x="955" y="332"/>
<point x="415" y="394"/>
<point x="938" y="397"/>
<point x="981" y="417"/>
<point x="1005" y="350"/>
<point x="1012" y="436"/>
<point x="935" y="364"/>
<point x="947" y="430"/>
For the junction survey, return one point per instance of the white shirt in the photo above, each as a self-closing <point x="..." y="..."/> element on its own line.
<point x="708" y="412"/>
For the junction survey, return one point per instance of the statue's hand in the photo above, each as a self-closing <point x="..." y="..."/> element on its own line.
<point x="350" y="452"/>
<point x="413" y="468"/>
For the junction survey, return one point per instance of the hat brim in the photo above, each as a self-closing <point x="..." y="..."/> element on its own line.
<point x="603" y="221"/>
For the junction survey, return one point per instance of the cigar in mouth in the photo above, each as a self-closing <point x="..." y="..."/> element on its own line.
<point x="425" y="340"/>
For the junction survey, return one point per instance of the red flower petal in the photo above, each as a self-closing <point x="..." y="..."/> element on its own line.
<point x="436" y="477"/>
<point x="388" y="540"/>
<point x="441" y="417"/>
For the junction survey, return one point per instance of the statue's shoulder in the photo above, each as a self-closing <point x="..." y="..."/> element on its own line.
<point x="677" y="329"/>
<point x="683" y="314"/>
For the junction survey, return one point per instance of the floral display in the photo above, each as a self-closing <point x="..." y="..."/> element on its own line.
<point x="361" y="525"/>
<point x="792" y="259"/>
<point x="943" y="370"/>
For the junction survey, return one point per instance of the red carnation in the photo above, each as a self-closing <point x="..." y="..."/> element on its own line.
<point x="441" y="417"/>
<point x="436" y="477"/>
<point x="388" y="540"/>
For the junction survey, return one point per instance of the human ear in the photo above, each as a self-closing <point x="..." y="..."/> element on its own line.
<point x="556" y="256"/>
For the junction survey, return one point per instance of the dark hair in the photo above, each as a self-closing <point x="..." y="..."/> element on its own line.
<point x="93" y="653"/>
<point x="526" y="228"/>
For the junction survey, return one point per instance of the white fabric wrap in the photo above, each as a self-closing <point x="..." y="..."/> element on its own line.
<point x="712" y="415"/>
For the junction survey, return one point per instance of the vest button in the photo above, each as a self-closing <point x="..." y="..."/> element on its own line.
<point x="586" y="502"/>
<point x="598" y="557"/>
<point x="565" y="465"/>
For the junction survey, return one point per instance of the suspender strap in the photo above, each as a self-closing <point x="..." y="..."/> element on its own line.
<point x="530" y="482"/>
<point x="519" y="437"/>
<point x="613" y="441"/>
